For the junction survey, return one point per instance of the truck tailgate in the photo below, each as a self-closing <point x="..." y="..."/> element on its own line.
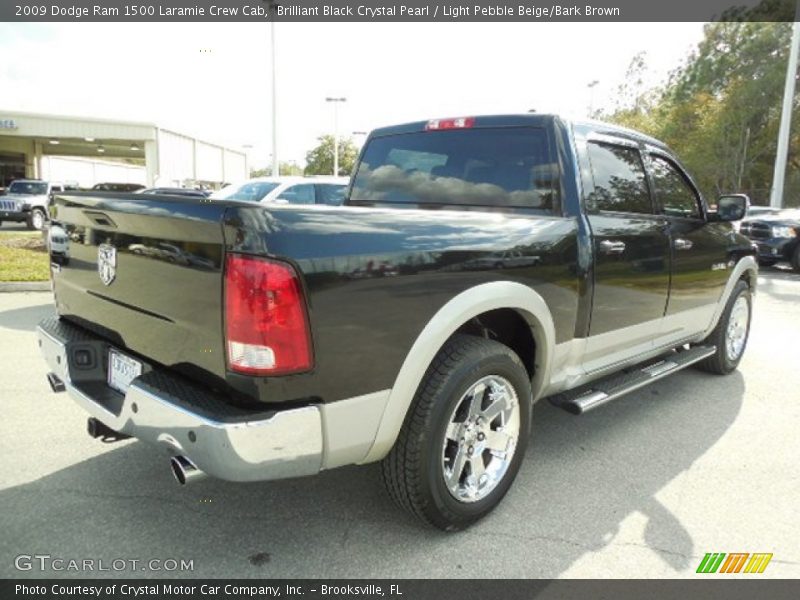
<point x="146" y="273"/>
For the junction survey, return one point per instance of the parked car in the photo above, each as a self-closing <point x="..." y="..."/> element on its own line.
<point x="27" y="201"/>
<point x="168" y="191"/>
<point x="776" y="233"/>
<point x="117" y="187"/>
<point x="287" y="190"/>
<point x="58" y="248"/>
<point x="324" y="338"/>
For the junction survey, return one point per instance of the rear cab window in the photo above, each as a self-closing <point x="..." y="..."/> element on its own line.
<point x="472" y="168"/>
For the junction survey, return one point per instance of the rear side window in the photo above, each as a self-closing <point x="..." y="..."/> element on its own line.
<point x="488" y="167"/>
<point x="673" y="192"/>
<point x="620" y="184"/>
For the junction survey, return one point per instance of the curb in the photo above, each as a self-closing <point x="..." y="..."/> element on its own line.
<point x="24" y="286"/>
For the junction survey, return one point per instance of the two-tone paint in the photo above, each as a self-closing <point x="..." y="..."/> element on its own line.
<point x="375" y="278"/>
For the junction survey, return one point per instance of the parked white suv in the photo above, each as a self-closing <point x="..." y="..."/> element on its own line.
<point x="26" y="201"/>
<point x="287" y="190"/>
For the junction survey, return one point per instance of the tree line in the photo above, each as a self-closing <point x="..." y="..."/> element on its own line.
<point x="319" y="160"/>
<point x="720" y="110"/>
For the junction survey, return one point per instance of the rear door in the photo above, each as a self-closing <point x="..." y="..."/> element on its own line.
<point x="698" y="249"/>
<point x="631" y="250"/>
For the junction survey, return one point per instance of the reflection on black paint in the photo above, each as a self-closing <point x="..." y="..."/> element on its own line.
<point x="619" y="179"/>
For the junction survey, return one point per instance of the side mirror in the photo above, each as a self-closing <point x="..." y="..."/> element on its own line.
<point x="732" y="207"/>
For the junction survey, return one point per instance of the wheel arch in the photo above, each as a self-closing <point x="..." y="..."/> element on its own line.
<point x="450" y="319"/>
<point x="747" y="270"/>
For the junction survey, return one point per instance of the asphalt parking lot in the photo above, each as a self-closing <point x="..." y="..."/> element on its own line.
<point x="642" y="487"/>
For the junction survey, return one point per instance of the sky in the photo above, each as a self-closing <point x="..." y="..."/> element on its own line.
<point x="213" y="80"/>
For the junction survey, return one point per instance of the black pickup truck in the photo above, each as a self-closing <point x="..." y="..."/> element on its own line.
<point x="477" y="266"/>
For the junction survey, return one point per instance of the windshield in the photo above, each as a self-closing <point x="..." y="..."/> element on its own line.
<point x="31" y="188"/>
<point x="510" y="167"/>
<point x="252" y="191"/>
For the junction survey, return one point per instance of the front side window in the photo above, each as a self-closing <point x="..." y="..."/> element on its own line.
<point x="673" y="192"/>
<point x="298" y="194"/>
<point x="251" y="191"/>
<point x="331" y="194"/>
<point x="481" y="167"/>
<point x="620" y="184"/>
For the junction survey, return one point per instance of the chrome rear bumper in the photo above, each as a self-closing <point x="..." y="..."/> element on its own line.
<point x="161" y="409"/>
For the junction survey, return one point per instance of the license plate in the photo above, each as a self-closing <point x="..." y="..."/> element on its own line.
<point x="122" y="370"/>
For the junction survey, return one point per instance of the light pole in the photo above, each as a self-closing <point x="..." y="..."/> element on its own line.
<point x="779" y="172"/>
<point x="275" y="168"/>
<point x="272" y="8"/>
<point x="591" y="86"/>
<point x="336" y="102"/>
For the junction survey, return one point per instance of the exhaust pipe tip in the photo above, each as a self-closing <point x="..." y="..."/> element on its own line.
<point x="55" y="383"/>
<point x="185" y="471"/>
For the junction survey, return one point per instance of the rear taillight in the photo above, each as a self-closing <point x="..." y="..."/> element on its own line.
<point x="458" y="123"/>
<point x="266" y="327"/>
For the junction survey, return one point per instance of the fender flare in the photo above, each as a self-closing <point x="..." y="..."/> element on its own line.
<point x="746" y="265"/>
<point x="466" y="305"/>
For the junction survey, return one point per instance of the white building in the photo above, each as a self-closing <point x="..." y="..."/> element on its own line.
<point x="89" y="151"/>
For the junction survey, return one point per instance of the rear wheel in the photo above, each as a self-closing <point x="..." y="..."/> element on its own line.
<point x="731" y="333"/>
<point x="464" y="437"/>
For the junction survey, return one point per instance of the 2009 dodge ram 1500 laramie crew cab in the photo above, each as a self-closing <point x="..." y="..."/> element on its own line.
<point x="479" y="265"/>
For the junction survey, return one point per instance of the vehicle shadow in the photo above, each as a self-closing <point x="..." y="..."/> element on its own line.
<point x="25" y="318"/>
<point x="582" y="477"/>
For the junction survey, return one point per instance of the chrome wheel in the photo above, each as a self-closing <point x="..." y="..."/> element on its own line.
<point x="37" y="220"/>
<point x="736" y="332"/>
<point x="481" y="437"/>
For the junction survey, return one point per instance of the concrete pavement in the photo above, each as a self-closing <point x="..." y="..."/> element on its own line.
<point x="642" y="487"/>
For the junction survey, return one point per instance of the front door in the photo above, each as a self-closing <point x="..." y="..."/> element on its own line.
<point x="698" y="250"/>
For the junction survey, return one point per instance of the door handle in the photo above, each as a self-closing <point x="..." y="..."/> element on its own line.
<point x="682" y="244"/>
<point x="612" y="247"/>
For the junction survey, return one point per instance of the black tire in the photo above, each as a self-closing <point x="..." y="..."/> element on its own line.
<point x="766" y="262"/>
<point x="796" y="258"/>
<point x="37" y="212"/>
<point x="414" y="471"/>
<point x="720" y="362"/>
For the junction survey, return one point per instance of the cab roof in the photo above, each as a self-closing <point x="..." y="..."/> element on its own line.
<point x="523" y="120"/>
